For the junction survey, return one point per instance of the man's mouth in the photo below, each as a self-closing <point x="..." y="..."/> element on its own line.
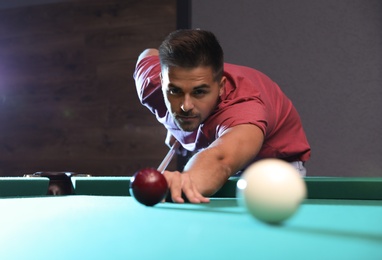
<point x="187" y="118"/>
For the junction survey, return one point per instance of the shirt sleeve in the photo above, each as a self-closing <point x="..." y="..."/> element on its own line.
<point x="148" y="85"/>
<point x="240" y="111"/>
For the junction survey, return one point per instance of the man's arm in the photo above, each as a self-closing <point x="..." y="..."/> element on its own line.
<point x="208" y="170"/>
<point x="146" y="53"/>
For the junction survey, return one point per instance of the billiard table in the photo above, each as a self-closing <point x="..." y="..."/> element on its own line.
<point x="340" y="219"/>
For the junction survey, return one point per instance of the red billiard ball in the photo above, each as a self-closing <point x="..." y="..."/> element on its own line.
<point x="148" y="186"/>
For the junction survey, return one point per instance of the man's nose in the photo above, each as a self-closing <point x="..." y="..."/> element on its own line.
<point x="187" y="104"/>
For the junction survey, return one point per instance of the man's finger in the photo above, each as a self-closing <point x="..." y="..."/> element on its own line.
<point x="176" y="188"/>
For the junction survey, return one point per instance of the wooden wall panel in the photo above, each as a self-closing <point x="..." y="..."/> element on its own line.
<point x="67" y="96"/>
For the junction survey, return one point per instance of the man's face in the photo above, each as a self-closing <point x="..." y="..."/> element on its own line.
<point x="190" y="94"/>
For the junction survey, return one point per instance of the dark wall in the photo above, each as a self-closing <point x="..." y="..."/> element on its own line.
<point x="67" y="96"/>
<point x="326" y="56"/>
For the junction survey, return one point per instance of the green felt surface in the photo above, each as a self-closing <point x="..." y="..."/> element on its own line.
<point x="23" y="186"/>
<point x="344" y="188"/>
<point x="106" y="186"/>
<point x="318" y="187"/>
<point x="117" y="227"/>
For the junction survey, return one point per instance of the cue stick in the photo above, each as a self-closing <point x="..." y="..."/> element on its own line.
<point x="167" y="159"/>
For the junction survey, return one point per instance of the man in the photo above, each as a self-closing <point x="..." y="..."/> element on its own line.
<point x="228" y="115"/>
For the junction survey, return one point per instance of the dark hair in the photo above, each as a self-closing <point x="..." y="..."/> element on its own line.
<point x="192" y="48"/>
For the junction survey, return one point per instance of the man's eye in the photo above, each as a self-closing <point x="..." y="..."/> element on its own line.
<point x="173" y="91"/>
<point x="200" y="92"/>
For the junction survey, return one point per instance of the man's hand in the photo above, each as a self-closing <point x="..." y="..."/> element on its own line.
<point x="181" y="183"/>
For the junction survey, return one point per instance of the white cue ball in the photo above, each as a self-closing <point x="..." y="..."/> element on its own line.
<point x="271" y="190"/>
